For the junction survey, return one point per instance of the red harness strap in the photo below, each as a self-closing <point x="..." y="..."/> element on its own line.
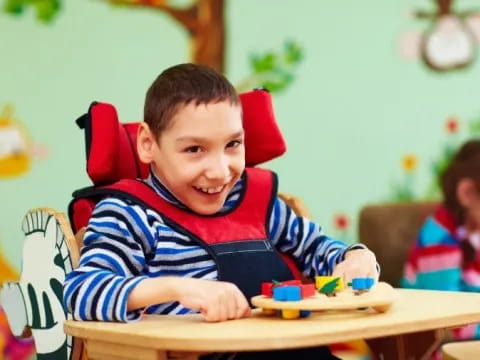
<point x="245" y="222"/>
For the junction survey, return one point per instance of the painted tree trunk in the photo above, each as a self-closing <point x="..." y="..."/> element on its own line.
<point x="208" y="37"/>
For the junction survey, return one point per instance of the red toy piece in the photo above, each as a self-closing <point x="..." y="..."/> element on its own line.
<point x="267" y="288"/>
<point x="306" y="290"/>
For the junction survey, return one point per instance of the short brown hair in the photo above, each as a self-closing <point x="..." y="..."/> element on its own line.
<point x="464" y="164"/>
<point x="179" y="85"/>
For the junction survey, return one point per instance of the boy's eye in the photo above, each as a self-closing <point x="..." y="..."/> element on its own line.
<point x="234" y="143"/>
<point x="193" y="149"/>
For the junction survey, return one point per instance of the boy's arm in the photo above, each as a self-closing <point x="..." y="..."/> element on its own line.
<point x="216" y="300"/>
<point x="110" y="263"/>
<point x="107" y="284"/>
<point x="314" y="252"/>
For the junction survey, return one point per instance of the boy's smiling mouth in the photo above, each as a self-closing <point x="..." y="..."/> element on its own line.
<point x="210" y="190"/>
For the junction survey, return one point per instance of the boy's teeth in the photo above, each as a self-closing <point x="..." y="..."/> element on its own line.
<point x="211" y="190"/>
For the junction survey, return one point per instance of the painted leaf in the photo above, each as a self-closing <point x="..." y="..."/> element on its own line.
<point x="46" y="10"/>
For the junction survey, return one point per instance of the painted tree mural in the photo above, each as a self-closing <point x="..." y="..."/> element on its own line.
<point x="45" y="9"/>
<point x="204" y="22"/>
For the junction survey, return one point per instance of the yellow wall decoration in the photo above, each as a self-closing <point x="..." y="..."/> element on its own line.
<point x="15" y="145"/>
<point x="17" y="148"/>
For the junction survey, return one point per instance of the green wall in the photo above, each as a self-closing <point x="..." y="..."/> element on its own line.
<point x="353" y="111"/>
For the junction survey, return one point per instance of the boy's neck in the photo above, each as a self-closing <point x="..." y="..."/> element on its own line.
<point x="163" y="190"/>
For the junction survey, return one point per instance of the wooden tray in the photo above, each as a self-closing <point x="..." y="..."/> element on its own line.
<point x="380" y="297"/>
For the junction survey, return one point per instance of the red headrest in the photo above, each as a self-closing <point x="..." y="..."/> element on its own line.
<point x="263" y="139"/>
<point x="111" y="145"/>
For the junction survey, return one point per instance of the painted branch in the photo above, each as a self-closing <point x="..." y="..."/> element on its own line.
<point x="205" y="23"/>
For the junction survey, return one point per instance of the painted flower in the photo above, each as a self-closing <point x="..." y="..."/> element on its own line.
<point x="451" y="125"/>
<point x="409" y="163"/>
<point x="341" y="222"/>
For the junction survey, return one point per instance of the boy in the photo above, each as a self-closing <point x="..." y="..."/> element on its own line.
<point x="138" y="259"/>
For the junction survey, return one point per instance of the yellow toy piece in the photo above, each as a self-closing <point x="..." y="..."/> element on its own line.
<point x="329" y="284"/>
<point x="290" y="314"/>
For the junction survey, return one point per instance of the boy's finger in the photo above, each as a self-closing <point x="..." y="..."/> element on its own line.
<point x="243" y="308"/>
<point x="339" y="271"/>
<point x="248" y="311"/>
<point x="222" y="306"/>
<point x="241" y="303"/>
<point x="232" y="306"/>
<point x="373" y="274"/>
<point x="213" y="311"/>
<point x="196" y="304"/>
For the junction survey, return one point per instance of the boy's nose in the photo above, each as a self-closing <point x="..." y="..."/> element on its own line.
<point x="218" y="169"/>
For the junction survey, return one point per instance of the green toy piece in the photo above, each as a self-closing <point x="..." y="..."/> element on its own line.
<point x="329" y="288"/>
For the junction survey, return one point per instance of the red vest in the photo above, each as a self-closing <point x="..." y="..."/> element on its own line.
<point x="237" y="240"/>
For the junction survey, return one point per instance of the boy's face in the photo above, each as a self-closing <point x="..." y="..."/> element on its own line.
<point x="201" y="155"/>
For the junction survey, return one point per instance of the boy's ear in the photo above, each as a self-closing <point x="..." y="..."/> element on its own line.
<point x="466" y="192"/>
<point x="145" y="143"/>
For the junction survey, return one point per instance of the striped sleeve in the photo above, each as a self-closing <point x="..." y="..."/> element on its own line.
<point x="112" y="258"/>
<point x="314" y="252"/>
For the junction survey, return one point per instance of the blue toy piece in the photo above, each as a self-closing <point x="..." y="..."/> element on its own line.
<point x="287" y="293"/>
<point x="305" y="313"/>
<point x="362" y="284"/>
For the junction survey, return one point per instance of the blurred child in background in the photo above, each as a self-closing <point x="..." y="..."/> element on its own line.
<point x="446" y="253"/>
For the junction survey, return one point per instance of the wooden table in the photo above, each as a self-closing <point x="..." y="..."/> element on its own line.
<point x="409" y="330"/>
<point x="461" y="350"/>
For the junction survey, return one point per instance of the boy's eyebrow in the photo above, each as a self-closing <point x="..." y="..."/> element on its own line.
<point x="200" y="139"/>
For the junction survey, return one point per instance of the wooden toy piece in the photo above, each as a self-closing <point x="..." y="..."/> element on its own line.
<point x="287" y="293"/>
<point x="288" y="283"/>
<point x="292" y="290"/>
<point x="305" y="313"/>
<point x="290" y="314"/>
<point x="308" y="290"/>
<point x="328" y="285"/>
<point x="379" y="298"/>
<point x="267" y="288"/>
<point x="269" y="311"/>
<point x="361" y="285"/>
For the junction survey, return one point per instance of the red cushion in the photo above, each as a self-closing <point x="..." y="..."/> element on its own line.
<point x="263" y="139"/>
<point x="79" y="212"/>
<point x="111" y="145"/>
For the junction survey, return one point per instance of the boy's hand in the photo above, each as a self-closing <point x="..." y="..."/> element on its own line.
<point x="357" y="263"/>
<point x="217" y="300"/>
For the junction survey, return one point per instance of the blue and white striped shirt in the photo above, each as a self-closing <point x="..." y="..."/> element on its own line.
<point x="125" y="243"/>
